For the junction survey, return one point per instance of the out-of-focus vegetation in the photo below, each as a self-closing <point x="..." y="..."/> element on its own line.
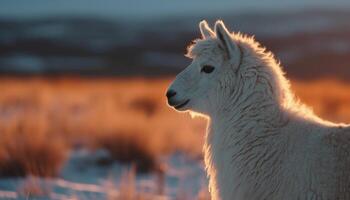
<point x="31" y="153"/>
<point x="41" y="120"/>
<point x="328" y="98"/>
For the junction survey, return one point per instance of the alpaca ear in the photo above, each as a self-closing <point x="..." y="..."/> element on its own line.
<point x="205" y="30"/>
<point x="225" y="41"/>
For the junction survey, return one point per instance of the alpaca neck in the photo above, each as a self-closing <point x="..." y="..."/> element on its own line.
<point x="259" y="105"/>
<point x="249" y="117"/>
<point x="241" y="136"/>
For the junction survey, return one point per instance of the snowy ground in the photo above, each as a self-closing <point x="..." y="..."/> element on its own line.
<point x="83" y="178"/>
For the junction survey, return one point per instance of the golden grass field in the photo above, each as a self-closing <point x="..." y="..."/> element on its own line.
<point x="41" y="119"/>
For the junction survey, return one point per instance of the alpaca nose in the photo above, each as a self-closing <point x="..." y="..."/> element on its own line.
<point x="170" y="94"/>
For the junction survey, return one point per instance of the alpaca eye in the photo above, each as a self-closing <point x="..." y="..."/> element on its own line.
<point x="207" y="69"/>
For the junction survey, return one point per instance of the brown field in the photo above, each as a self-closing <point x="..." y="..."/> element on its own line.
<point x="41" y="118"/>
<point x="328" y="98"/>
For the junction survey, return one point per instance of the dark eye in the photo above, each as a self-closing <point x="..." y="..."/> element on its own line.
<point x="207" y="69"/>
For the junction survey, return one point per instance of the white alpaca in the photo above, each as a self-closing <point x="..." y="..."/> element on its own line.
<point x="260" y="142"/>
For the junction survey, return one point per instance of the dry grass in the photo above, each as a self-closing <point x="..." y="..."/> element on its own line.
<point x="27" y="149"/>
<point x="128" y="117"/>
<point x="32" y="187"/>
<point x="127" y="190"/>
<point x="82" y="109"/>
<point x="131" y="147"/>
<point x="328" y="98"/>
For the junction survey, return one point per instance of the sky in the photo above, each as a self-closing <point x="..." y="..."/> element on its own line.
<point x="154" y="8"/>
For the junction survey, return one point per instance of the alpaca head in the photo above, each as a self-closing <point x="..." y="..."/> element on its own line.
<point x="216" y="60"/>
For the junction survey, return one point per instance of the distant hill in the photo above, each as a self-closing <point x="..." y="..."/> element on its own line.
<point x="310" y="44"/>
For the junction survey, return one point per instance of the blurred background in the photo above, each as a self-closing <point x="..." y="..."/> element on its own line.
<point x="82" y="83"/>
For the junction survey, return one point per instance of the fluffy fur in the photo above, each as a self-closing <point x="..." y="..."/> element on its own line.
<point x="261" y="143"/>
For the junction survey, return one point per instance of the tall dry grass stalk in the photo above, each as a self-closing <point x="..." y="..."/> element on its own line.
<point x="32" y="187"/>
<point x="128" y="190"/>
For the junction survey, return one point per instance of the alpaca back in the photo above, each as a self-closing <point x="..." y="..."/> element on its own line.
<point x="304" y="160"/>
<point x="338" y="142"/>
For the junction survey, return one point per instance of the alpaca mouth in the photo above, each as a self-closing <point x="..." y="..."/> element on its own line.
<point x="182" y="104"/>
